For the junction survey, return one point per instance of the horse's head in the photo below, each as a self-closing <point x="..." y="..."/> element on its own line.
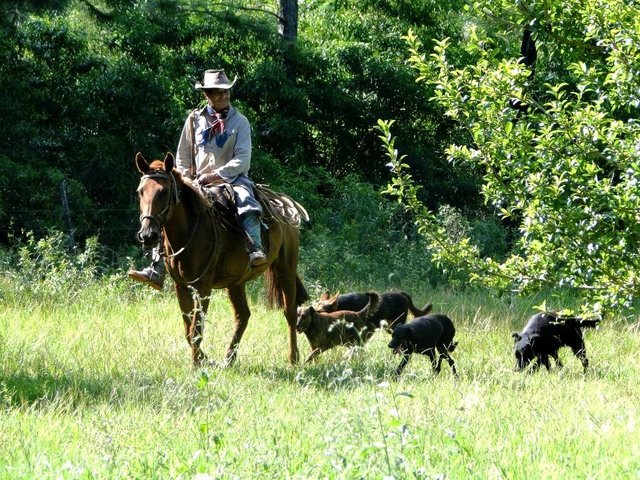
<point x="158" y="195"/>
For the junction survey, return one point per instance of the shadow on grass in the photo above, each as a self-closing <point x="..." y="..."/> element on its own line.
<point x="324" y="374"/>
<point x="24" y="389"/>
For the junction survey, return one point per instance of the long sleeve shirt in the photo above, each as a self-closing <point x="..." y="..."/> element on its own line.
<point x="229" y="160"/>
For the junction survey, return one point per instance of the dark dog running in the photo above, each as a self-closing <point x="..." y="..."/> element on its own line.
<point x="544" y="334"/>
<point x="343" y="327"/>
<point x="393" y="307"/>
<point x="424" y="335"/>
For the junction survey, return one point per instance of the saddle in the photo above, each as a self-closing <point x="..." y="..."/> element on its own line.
<point x="280" y="207"/>
<point x="276" y="206"/>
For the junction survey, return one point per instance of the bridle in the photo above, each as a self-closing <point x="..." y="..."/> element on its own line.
<point x="174" y="199"/>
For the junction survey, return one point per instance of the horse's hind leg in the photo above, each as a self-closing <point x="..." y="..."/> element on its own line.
<point x="282" y="281"/>
<point x="288" y="285"/>
<point x="193" y="309"/>
<point x="238" y="298"/>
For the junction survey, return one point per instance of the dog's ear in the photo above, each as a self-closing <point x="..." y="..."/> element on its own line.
<point x="516" y="336"/>
<point x="325" y="295"/>
<point x="333" y="301"/>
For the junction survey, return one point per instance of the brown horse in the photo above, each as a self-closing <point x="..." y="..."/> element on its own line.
<point x="203" y="252"/>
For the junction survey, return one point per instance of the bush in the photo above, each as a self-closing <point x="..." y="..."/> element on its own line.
<point x="48" y="269"/>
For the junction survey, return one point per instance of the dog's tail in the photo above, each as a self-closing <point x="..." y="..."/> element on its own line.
<point x="371" y="307"/>
<point x="579" y="322"/>
<point x="591" y="323"/>
<point x="416" y="312"/>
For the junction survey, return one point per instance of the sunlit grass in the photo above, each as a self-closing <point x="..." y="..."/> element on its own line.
<point x="103" y="388"/>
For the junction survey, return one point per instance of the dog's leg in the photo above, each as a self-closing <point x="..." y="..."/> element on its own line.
<point x="544" y="360"/>
<point x="557" y="360"/>
<point x="403" y="363"/>
<point x="449" y="360"/>
<point x="435" y="364"/>
<point x="313" y="355"/>
<point x="581" y="353"/>
<point x="452" y="364"/>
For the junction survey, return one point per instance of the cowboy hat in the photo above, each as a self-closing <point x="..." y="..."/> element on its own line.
<point x="215" y="79"/>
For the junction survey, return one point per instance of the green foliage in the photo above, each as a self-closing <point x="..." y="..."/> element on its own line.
<point x="46" y="269"/>
<point x="360" y="237"/>
<point x="565" y="170"/>
<point x="102" y="80"/>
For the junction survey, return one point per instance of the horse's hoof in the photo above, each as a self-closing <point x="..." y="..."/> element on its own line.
<point x="200" y="362"/>
<point x="229" y="360"/>
<point x="213" y="364"/>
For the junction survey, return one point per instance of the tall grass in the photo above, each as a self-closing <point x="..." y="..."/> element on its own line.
<point x="99" y="385"/>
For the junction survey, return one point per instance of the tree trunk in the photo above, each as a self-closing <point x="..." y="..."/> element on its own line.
<point x="288" y="21"/>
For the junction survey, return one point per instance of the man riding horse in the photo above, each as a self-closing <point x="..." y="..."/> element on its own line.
<point x="215" y="147"/>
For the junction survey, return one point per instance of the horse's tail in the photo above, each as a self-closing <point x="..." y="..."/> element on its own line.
<point x="301" y="293"/>
<point x="275" y="293"/>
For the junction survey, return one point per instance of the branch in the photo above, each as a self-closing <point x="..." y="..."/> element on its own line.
<point x="96" y="11"/>
<point x="235" y="7"/>
<point x="544" y="27"/>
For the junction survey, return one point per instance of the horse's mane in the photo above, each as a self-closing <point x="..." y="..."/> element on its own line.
<point x="186" y="188"/>
<point x="197" y="199"/>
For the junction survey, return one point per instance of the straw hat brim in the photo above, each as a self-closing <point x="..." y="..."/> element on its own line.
<point x="224" y="86"/>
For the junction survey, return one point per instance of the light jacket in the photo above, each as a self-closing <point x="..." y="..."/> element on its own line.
<point x="231" y="159"/>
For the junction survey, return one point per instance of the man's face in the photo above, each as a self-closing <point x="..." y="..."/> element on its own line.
<point x="218" y="98"/>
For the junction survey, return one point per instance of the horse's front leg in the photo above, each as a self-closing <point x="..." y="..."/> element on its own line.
<point x="238" y="298"/>
<point x="194" y="308"/>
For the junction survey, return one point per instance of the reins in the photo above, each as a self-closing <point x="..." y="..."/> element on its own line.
<point x="160" y="219"/>
<point x="211" y="257"/>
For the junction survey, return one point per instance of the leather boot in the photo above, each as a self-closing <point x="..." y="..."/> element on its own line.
<point x="152" y="275"/>
<point x="252" y="227"/>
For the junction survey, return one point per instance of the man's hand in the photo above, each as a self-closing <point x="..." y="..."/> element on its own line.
<point x="209" y="178"/>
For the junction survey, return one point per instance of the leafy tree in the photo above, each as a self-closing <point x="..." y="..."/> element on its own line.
<point x="99" y="80"/>
<point x="565" y="166"/>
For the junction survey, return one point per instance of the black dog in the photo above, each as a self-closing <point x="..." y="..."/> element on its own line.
<point x="393" y="307"/>
<point x="424" y="335"/>
<point x="544" y="334"/>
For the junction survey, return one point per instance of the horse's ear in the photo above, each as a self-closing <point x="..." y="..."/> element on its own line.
<point x="169" y="162"/>
<point x="141" y="164"/>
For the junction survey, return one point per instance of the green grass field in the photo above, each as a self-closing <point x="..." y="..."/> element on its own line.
<point x="102" y="387"/>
